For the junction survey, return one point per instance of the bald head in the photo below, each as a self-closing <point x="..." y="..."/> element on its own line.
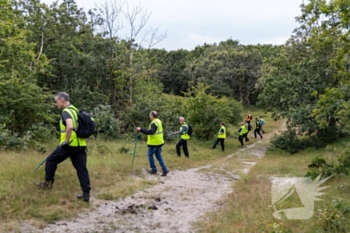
<point x="153" y="115"/>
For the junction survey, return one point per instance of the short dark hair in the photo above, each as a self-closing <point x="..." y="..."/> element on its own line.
<point x="222" y="123"/>
<point x="63" y="95"/>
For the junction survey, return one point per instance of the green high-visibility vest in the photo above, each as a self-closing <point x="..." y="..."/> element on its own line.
<point x="222" y="135"/>
<point x="184" y="135"/>
<point x="157" y="138"/>
<point x="74" y="140"/>
<point x="244" y="130"/>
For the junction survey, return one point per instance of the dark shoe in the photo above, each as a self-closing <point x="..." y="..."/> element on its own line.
<point x="84" y="196"/>
<point x="187" y="157"/>
<point x="44" y="185"/>
<point x="152" y="172"/>
<point x="165" y="172"/>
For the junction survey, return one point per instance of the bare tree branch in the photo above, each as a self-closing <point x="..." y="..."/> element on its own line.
<point x="134" y="15"/>
<point x="110" y="11"/>
<point x="155" y="37"/>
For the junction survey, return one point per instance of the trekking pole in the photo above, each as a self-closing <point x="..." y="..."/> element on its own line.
<point x="40" y="164"/>
<point x="170" y="133"/>
<point x="133" y="155"/>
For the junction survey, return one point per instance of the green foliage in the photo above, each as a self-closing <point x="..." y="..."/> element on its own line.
<point x="288" y="141"/>
<point x="24" y="105"/>
<point x="10" y="140"/>
<point x="106" y="124"/>
<point x="344" y="164"/>
<point x="205" y="111"/>
<point x="319" y="166"/>
<point x="305" y="81"/>
<point x="335" y="218"/>
<point x="228" y="69"/>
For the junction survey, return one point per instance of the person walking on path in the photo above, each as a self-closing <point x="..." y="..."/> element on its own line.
<point x="262" y="122"/>
<point x="155" y="142"/>
<point x="257" y="128"/>
<point x="249" y="127"/>
<point x="243" y="130"/>
<point x="70" y="146"/>
<point x="184" y="138"/>
<point x="249" y="118"/>
<point x="221" y="137"/>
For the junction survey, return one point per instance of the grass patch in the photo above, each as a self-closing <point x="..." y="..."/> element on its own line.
<point x="112" y="178"/>
<point x="250" y="209"/>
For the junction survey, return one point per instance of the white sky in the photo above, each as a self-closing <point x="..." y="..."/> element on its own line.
<point x="194" y="22"/>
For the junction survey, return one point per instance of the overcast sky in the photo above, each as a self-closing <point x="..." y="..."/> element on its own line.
<point x="189" y="23"/>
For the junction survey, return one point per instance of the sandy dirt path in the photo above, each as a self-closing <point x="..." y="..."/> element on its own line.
<point x="172" y="205"/>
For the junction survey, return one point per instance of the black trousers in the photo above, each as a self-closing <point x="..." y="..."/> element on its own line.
<point x="182" y="143"/>
<point x="246" y="137"/>
<point x="77" y="156"/>
<point x="222" y="143"/>
<point x="261" y="128"/>
<point x="240" y="139"/>
<point x="257" y="131"/>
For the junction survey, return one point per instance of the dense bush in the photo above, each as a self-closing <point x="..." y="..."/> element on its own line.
<point x="106" y="124"/>
<point x="319" y="166"/>
<point x="288" y="141"/>
<point x="205" y="111"/>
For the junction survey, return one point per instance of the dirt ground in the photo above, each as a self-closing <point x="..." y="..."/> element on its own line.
<point x="172" y="205"/>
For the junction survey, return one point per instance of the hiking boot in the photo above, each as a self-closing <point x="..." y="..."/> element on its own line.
<point x="152" y="172"/>
<point x="165" y="173"/>
<point x="44" y="185"/>
<point x="84" y="196"/>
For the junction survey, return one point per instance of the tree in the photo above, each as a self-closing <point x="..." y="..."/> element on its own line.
<point x="23" y="103"/>
<point x="302" y="72"/>
<point x="230" y="71"/>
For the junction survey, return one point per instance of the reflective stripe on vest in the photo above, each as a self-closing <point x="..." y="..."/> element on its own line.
<point x="157" y="138"/>
<point x="75" y="141"/>
<point x="222" y="135"/>
<point x="184" y="135"/>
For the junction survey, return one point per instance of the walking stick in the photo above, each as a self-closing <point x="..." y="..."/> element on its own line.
<point x="133" y="155"/>
<point x="170" y="133"/>
<point x="40" y="164"/>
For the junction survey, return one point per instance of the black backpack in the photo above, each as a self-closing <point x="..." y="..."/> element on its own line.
<point x="189" y="130"/>
<point x="86" y="124"/>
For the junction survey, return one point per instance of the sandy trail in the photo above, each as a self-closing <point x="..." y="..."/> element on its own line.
<point x="172" y="205"/>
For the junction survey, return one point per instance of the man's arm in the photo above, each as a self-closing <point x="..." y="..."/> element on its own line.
<point x="69" y="129"/>
<point x="150" y="131"/>
<point x="69" y="126"/>
<point x="221" y="131"/>
<point x="183" y="129"/>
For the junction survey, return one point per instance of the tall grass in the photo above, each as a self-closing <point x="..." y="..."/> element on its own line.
<point x="109" y="164"/>
<point x="249" y="208"/>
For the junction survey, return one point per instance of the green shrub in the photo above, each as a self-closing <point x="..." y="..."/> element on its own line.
<point x="344" y="164"/>
<point x="288" y="141"/>
<point x="106" y="123"/>
<point x="319" y="166"/>
<point x="10" y="140"/>
<point x="205" y="111"/>
<point x="335" y="218"/>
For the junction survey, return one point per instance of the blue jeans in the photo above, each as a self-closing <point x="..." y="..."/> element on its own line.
<point x="158" y="153"/>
